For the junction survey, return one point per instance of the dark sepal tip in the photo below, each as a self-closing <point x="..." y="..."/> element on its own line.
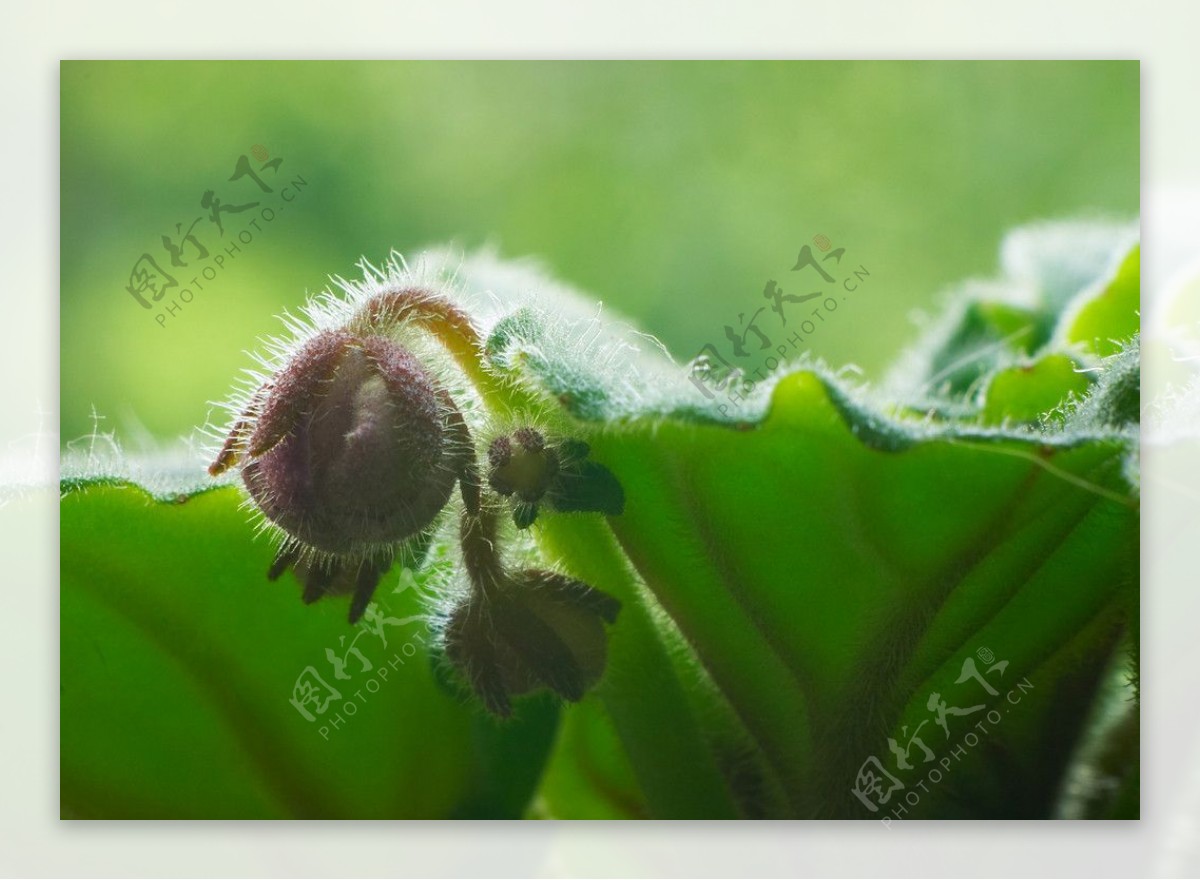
<point x="524" y="514"/>
<point x="364" y="588"/>
<point x="283" y="561"/>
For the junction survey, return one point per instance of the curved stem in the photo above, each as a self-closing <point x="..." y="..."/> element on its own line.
<point x="452" y="327"/>
<point x="477" y="535"/>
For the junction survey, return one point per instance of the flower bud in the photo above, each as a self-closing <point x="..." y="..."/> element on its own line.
<point x="529" y="471"/>
<point x="367" y="458"/>
<point x="354" y="448"/>
<point x="530" y="629"/>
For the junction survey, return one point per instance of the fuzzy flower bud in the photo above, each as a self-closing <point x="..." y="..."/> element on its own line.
<point x="533" y="629"/>
<point x="355" y="448"/>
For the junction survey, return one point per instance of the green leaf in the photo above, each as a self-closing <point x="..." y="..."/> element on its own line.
<point x="1104" y="322"/>
<point x="1025" y="393"/>
<point x="833" y="563"/>
<point x="1061" y="285"/>
<point x="988" y="334"/>
<point x="825" y="584"/>
<point x="509" y="760"/>
<point x="589" y="776"/>
<point x="179" y="662"/>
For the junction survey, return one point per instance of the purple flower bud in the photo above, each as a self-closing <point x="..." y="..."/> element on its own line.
<point x="366" y="455"/>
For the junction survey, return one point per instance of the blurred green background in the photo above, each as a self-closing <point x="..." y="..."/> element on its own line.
<point x="671" y="191"/>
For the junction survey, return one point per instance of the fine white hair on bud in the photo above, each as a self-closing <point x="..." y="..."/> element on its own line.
<point x="350" y="442"/>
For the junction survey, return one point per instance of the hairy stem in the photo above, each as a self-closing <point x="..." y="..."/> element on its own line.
<point x="452" y="327"/>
